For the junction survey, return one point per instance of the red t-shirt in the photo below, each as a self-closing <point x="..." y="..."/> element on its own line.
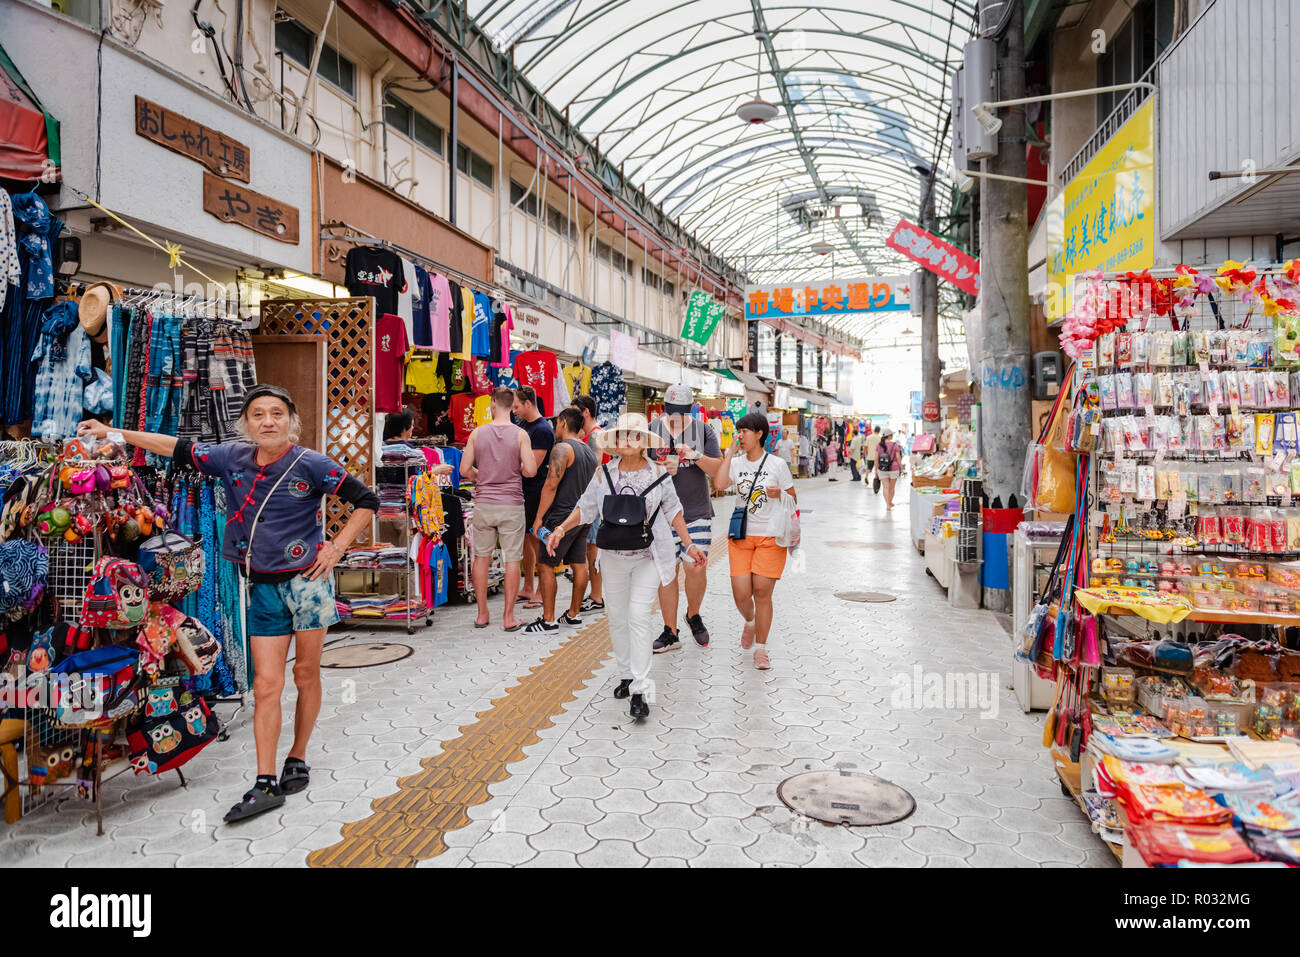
<point x="390" y="354"/>
<point x="539" y="369"/>
<point x="462" y="415"/>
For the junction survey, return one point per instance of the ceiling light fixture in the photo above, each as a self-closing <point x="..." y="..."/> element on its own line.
<point x="822" y="247"/>
<point x="757" y="110"/>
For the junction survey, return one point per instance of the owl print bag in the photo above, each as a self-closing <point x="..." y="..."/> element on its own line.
<point x="172" y="728"/>
<point x="117" y="595"/>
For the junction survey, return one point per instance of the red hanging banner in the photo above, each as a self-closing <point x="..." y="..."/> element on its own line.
<point x="937" y="255"/>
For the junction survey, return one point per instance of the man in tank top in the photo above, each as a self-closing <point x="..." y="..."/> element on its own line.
<point x="497" y="458"/>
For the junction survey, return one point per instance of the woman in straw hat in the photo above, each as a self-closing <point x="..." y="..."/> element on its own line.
<point x="633" y="567"/>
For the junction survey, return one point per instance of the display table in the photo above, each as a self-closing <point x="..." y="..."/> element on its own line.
<point x="924" y="505"/>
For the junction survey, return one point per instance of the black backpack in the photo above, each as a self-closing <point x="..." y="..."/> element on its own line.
<point x="623" y="523"/>
<point x="884" y="460"/>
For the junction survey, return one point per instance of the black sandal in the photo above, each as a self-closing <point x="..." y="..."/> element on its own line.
<point x="256" y="801"/>
<point x="295" y="776"/>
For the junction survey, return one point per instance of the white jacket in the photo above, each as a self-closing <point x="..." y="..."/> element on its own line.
<point x="663" y="549"/>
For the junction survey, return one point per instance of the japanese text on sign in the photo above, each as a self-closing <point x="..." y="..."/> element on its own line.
<point x="837" y="297"/>
<point x="703" y="314"/>
<point x="215" y="150"/>
<point x="937" y="255"/>
<point x="232" y="203"/>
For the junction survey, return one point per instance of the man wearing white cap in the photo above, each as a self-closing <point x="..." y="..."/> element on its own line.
<point x="692" y="456"/>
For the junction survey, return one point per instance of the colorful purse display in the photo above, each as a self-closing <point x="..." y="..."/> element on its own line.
<point x="176" y="726"/>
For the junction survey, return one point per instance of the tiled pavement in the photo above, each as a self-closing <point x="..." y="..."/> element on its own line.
<point x="695" y="784"/>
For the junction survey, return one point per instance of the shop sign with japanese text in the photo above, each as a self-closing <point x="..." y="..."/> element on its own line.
<point x="937" y="255"/>
<point x="233" y="203"/>
<point x="215" y="150"/>
<point x="703" y="313"/>
<point x="831" y="298"/>
<point x="1105" y="217"/>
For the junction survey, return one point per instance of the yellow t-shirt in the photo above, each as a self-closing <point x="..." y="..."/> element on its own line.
<point x="728" y="435"/>
<point x="578" y="378"/>
<point x="873" y="442"/>
<point x="422" y="375"/>
<point x="483" y="410"/>
<point x="466" y="324"/>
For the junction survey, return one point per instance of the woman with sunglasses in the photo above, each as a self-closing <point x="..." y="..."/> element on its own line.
<point x="275" y="490"/>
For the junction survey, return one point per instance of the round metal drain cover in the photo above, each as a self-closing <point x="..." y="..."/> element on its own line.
<point x="366" y="655"/>
<point x="873" y="596"/>
<point x="846" y="797"/>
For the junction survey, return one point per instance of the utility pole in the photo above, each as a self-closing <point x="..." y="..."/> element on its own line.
<point x="929" y="319"/>
<point x="1005" y="392"/>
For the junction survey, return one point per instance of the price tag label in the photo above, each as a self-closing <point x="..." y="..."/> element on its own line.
<point x="1095" y="428"/>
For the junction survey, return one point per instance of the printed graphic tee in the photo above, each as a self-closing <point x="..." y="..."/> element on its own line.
<point x="440" y="313"/>
<point x="455" y="330"/>
<point x="390" y="352"/>
<point x="462" y="415"/>
<point x="375" y="271"/>
<point x="423" y="291"/>
<point x="776" y="471"/>
<point x="539" y="369"/>
<point x="481" y="330"/>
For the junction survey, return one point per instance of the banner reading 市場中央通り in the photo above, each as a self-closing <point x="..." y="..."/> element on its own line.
<point x="829" y="298"/>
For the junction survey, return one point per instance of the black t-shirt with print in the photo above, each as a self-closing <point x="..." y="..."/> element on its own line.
<point x="374" y="271"/>
<point x="456" y="316"/>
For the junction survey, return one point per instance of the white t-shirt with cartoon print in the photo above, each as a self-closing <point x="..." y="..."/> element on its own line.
<point x="776" y="471"/>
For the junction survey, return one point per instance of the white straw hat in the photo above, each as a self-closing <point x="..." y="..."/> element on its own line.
<point x="629" y="422"/>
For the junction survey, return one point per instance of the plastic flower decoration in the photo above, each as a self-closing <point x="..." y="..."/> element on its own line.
<point x="1235" y="279"/>
<point x="1089" y="318"/>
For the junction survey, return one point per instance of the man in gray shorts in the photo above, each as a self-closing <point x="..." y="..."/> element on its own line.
<point x="497" y="457"/>
<point x="572" y="464"/>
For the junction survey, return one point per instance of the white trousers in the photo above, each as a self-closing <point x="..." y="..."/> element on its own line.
<point x="630" y="588"/>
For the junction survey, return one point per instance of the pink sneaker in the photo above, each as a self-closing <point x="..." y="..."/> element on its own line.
<point x="747" y="636"/>
<point x="761" y="661"/>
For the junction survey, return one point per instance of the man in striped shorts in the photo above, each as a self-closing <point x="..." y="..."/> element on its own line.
<point x="692" y="456"/>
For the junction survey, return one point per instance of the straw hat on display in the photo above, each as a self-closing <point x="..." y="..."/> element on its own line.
<point x="92" y="309"/>
<point x="629" y="423"/>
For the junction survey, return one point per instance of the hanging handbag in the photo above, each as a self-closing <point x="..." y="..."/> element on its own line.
<point x="739" y="525"/>
<point x="174" y="565"/>
<point x="176" y="726"/>
<point x="623" y="523"/>
<point x="117" y="595"/>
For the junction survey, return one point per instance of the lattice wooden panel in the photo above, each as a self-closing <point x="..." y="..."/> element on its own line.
<point x="349" y="395"/>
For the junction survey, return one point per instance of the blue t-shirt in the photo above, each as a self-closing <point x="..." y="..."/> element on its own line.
<point x="421" y="298"/>
<point x="480" y="343"/>
<point x="440" y="561"/>
<point x="451" y="456"/>
<point x="288" y="532"/>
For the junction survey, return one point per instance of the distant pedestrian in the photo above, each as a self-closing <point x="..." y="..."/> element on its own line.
<point x="542" y="438"/>
<point x="636" y="500"/>
<point x="856" y="445"/>
<point x="757" y="561"/>
<point x="497" y="457"/>
<point x="595" y="600"/>
<point x="889" y="465"/>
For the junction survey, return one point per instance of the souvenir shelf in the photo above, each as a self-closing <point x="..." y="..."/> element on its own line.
<point x="378" y="567"/>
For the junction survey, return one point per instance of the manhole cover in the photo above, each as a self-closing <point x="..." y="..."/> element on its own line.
<point x="879" y="546"/>
<point x="865" y="595"/>
<point x="846" y="797"/>
<point x="364" y="655"/>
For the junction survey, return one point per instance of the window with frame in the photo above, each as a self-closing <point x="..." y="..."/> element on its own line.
<point x="297" y="43"/>
<point x="412" y="124"/>
<point x="522" y="199"/>
<point x="1133" y="50"/>
<point x="557" y="222"/>
<point x="474" y="166"/>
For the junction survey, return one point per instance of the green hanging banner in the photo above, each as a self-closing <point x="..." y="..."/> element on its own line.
<point x="702" y="317"/>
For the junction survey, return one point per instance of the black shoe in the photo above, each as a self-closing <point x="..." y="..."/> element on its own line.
<point x="623" y="689"/>
<point x="567" y="619"/>
<point x="638" y="708"/>
<point x="666" y="642"/>
<point x="589" y="605"/>
<point x="698" y="630"/>
<point x="295" y="776"/>
<point x="260" y="799"/>
<point x="540" y="626"/>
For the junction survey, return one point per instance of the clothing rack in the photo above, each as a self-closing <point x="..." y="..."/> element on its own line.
<point x="363" y="238"/>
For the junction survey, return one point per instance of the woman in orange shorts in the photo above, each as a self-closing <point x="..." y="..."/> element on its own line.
<point x="756" y="559"/>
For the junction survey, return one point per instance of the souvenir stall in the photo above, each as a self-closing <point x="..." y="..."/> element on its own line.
<point x="103" y="669"/>
<point x="1168" y="620"/>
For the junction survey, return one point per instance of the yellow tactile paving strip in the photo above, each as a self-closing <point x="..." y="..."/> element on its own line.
<point x="408" y="826"/>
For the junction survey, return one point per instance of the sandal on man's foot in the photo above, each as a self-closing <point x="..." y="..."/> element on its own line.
<point x="258" y="800"/>
<point x="295" y="776"/>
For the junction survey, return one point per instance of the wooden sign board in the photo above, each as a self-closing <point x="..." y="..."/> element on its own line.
<point x="215" y="150"/>
<point x="232" y="203"/>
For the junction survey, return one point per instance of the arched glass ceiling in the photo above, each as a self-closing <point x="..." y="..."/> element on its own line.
<point x="861" y="86"/>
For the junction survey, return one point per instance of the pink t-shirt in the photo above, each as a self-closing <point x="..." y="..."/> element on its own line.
<point x="440" y="313"/>
<point x="390" y="355"/>
<point x="503" y="360"/>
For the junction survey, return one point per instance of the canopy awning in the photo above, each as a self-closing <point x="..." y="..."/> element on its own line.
<point x="753" y="382"/>
<point x="29" y="137"/>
